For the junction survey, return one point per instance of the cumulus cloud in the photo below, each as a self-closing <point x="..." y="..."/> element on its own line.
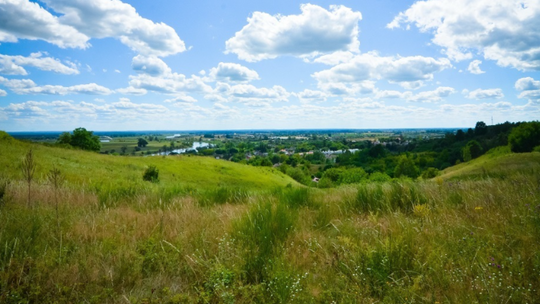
<point x="3" y="93"/>
<point x="530" y="89"/>
<point x="335" y="58"/>
<point x="81" y="20"/>
<point x="232" y="72"/>
<point x="22" y="19"/>
<point x="310" y="96"/>
<point x="474" y="67"/>
<point x="170" y="83"/>
<point x="504" y="31"/>
<point x="132" y="91"/>
<point x="248" y="94"/>
<point x="15" y="84"/>
<point x="27" y="86"/>
<point x="485" y="94"/>
<point x="315" y="31"/>
<point x="150" y="65"/>
<point x="426" y="96"/>
<point x="181" y="99"/>
<point x="408" y="72"/>
<point x="12" y="65"/>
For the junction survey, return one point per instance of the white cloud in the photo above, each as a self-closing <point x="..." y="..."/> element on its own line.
<point x="132" y="91"/>
<point x="504" y="31"/>
<point x="3" y="93"/>
<point x="485" y="94"/>
<point x="527" y="83"/>
<point x="248" y="94"/>
<point x="150" y="65"/>
<point x="409" y="72"/>
<point x="181" y="99"/>
<point x="89" y="89"/>
<point x="170" y="83"/>
<point x="15" y="84"/>
<point x="315" y="31"/>
<point x="22" y="19"/>
<point x="474" y="67"/>
<point x="310" y="96"/>
<point x="117" y="71"/>
<point x="335" y="58"/>
<point x="426" y="96"/>
<point x="81" y="20"/>
<point x="12" y="65"/>
<point x="529" y="88"/>
<point x="232" y="72"/>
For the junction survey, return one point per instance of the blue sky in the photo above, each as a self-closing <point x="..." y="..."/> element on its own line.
<point x="195" y="65"/>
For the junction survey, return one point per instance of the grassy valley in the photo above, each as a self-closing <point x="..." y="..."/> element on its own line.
<point x="211" y="231"/>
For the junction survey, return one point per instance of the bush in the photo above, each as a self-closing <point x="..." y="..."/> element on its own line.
<point x="151" y="174"/>
<point x="430" y="173"/>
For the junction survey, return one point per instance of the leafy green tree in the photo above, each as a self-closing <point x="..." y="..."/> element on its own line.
<point x="85" y="140"/>
<point x="333" y="174"/>
<point x="64" y="138"/>
<point x="525" y="137"/>
<point x="480" y="128"/>
<point x="472" y="150"/>
<point x="406" y="167"/>
<point x="141" y="142"/>
<point x="460" y="135"/>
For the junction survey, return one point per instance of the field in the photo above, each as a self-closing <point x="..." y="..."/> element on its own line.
<point x="212" y="231"/>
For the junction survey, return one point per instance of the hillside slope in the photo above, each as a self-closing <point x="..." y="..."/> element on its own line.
<point x="88" y="168"/>
<point x="499" y="163"/>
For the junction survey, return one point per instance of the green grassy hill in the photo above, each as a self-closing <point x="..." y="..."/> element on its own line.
<point x="92" y="169"/>
<point x="497" y="163"/>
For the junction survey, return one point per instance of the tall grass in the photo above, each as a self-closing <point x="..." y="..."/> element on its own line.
<point x="447" y="241"/>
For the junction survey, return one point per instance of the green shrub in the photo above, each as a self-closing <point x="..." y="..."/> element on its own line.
<point x="151" y="174"/>
<point x="430" y="173"/>
<point x="379" y="177"/>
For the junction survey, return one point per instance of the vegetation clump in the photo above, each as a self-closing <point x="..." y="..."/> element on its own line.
<point x="151" y="174"/>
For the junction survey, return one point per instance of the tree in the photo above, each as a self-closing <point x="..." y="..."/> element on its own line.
<point x="480" y="128"/>
<point x="28" y="167"/>
<point x="124" y="149"/>
<point x="472" y="150"/>
<point x="460" y="135"/>
<point x="64" y="138"/>
<point x="142" y="142"/>
<point x="525" y="137"/>
<point x="406" y="167"/>
<point x="85" y="140"/>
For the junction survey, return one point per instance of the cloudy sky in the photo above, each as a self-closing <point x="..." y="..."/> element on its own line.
<point x="280" y="64"/>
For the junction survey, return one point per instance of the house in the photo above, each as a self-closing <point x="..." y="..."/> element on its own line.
<point x="105" y="139"/>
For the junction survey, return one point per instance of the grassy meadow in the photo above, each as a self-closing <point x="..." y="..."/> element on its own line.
<point x="213" y="231"/>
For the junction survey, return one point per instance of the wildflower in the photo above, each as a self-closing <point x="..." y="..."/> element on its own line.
<point x="478" y="208"/>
